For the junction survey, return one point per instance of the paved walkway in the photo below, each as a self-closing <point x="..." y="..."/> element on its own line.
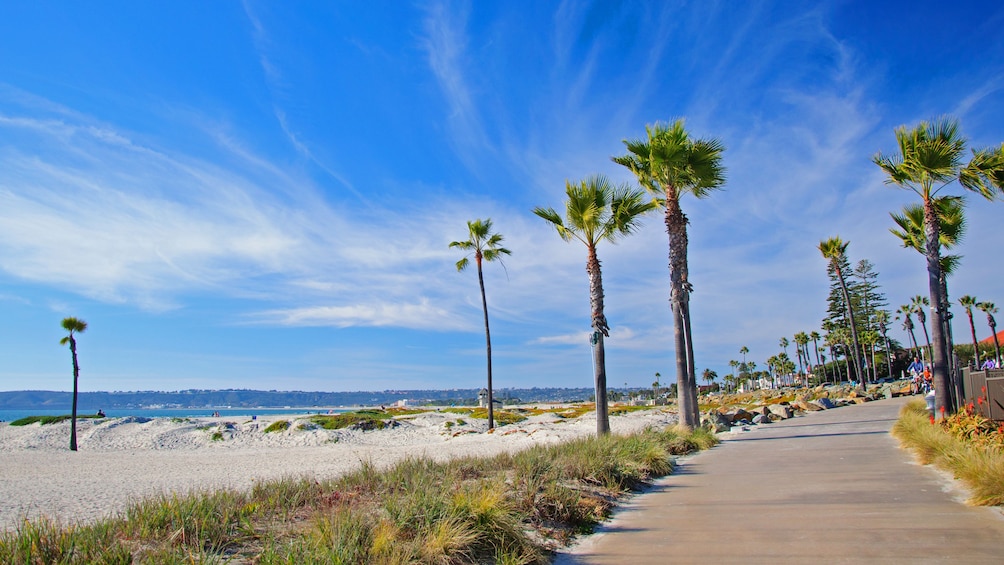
<point x="829" y="487"/>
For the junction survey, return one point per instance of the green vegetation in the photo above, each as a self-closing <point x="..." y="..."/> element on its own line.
<point x="966" y="444"/>
<point x="277" y="426"/>
<point x="511" y="508"/>
<point x="217" y="436"/>
<point x="45" y="420"/>
<point x="502" y="417"/>
<point x="365" y="419"/>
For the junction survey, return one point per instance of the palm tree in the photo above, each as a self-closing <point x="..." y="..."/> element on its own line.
<point x="833" y="250"/>
<point x="709" y="376"/>
<point x="802" y="341"/>
<point x="951" y="228"/>
<point x="918" y="303"/>
<point x="487" y="247"/>
<point x="596" y="210"/>
<point x="814" y="336"/>
<point x="989" y="309"/>
<point x="906" y="310"/>
<point x="931" y="158"/>
<point x="73" y="325"/>
<point x="670" y="164"/>
<point x="969" y="302"/>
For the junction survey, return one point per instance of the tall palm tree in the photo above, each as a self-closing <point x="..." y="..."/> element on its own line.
<point x="834" y="251"/>
<point x="919" y="303"/>
<point x="882" y="319"/>
<point x="487" y="247"/>
<point x="969" y="302"/>
<point x="989" y="309"/>
<point x="596" y="210"/>
<point x="906" y="311"/>
<point x="931" y="158"/>
<point x="74" y="326"/>
<point x="814" y="336"/>
<point x="670" y="164"/>
<point x="950" y="212"/>
<point x="802" y="341"/>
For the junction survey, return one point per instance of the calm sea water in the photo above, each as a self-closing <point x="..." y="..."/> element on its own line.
<point x="11" y="415"/>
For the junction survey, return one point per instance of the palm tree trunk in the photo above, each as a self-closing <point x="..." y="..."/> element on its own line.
<point x="488" y="347"/>
<point x="976" y="346"/>
<point x="600" y="330"/>
<point x="73" y="414"/>
<point x="676" y="227"/>
<point x="854" y="329"/>
<point x="939" y="356"/>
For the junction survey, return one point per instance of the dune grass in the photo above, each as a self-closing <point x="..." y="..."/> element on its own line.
<point x="46" y="420"/>
<point x="509" y="508"/>
<point x="965" y="444"/>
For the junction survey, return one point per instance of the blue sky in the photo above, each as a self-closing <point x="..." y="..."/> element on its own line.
<point x="261" y="195"/>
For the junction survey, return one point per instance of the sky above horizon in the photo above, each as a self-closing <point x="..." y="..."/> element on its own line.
<point x="261" y="195"/>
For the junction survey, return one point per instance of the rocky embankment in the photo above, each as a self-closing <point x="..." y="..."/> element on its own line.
<point x="761" y="407"/>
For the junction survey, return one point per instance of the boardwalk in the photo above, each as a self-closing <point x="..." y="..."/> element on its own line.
<point x="830" y="487"/>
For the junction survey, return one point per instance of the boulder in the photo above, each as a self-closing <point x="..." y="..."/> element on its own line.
<point x="761" y="419"/>
<point x="825" y="403"/>
<point x="741" y="414"/>
<point x="782" y="411"/>
<point x="806" y="406"/>
<point x="717" y="422"/>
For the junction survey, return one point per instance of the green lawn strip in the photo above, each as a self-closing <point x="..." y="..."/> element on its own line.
<point x="510" y="508"/>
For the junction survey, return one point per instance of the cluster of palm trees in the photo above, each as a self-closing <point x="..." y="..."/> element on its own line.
<point x="668" y="164"/>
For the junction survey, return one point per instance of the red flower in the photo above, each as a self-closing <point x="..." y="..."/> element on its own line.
<point x="932" y="421"/>
<point x="979" y="401"/>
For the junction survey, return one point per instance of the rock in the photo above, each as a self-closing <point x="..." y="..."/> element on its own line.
<point x="761" y="419"/>
<point x="741" y="414"/>
<point x="717" y="422"/>
<point x="782" y="411"/>
<point x="825" y="403"/>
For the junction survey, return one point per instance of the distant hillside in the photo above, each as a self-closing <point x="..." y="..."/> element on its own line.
<point x="238" y="398"/>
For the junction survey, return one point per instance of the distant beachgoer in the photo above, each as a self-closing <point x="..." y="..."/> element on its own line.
<point x="100" y="413"/>
<point x="990" y="363"/>
<point x="916" y="367"/>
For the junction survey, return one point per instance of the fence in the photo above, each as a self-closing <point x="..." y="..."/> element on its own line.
<point x="974" y="384"/>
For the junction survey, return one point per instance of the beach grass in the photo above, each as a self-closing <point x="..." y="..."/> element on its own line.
<point x="508" y="508"/>
<point x="46" y="420"/>
<point x="965" y="444"/>
<point x="502" y="417"/>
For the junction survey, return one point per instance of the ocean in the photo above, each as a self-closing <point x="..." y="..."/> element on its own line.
<point x="11" y="415"/>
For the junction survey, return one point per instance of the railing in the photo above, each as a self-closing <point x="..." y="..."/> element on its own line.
<point x="987" y="386"/>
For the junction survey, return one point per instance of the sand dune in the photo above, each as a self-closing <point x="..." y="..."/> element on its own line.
<point x="124" y="459"/>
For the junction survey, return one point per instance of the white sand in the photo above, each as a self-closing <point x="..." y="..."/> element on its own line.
<point x="126" y="459"/>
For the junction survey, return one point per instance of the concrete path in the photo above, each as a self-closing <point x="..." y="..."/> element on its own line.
<point x="829" y="487"/>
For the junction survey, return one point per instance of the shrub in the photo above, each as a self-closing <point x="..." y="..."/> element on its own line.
<point x="277" y="426"/>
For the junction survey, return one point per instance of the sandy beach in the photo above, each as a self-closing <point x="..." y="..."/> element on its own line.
<point x="125" y="459"/>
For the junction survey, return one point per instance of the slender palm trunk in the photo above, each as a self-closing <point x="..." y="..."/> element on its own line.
<point x="676" y="227"/>
<point x="927" y="336"/>
<point x="913" y="339"/>
<point x="688" y="335"/>
<point x="976" y="346"/>
<point x="600" y="330"/>
<point x="76" y="376"/>
<point x="888" y="354"/>
<point x="939" y="355"/>
<point x="997" y="343"/>
<point x="488" y="345"/>
<point x="854" y="330"/>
